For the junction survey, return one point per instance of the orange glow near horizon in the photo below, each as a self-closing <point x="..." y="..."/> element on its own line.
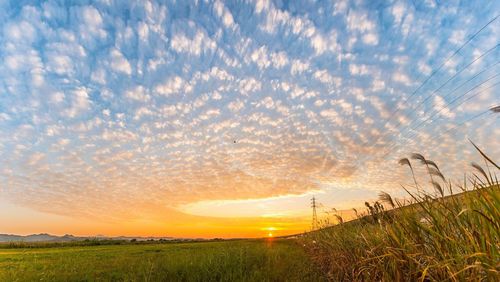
<point x="181" y="226"/>
<point x="273" y="219"/>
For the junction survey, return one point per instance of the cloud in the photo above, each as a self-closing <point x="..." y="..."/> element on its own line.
<point x="360" y="22"/>
<point x="322" y="44"/>
<point x="260" y="57"/>
<point x="92" y="25"/>
<point x="401" y="78"/>
<point x="22" y="32"/>
<point x="224" y="14"/>
<point x="173" y="85"/>
<point x="35" y="158"/>
<point x="80" y="102"/>
<point x="61" y="65"/>
<point x="119" y="63"/>
<point x="236" y="106"/>
<point x="358" y="69"/>
<point x="279" y="60"/>
<point x="398" y="12"/>
<point x="299" y="67"/>
<point x="195" y="45"/>
<point x="370" y="39"/>
<point x="332" y="116"/>
<point x="249" y="85"/>
<point x="138" y="94"/>
<point x="440" y="106"/>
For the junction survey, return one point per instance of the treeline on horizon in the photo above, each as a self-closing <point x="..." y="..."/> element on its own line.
<point x="100" y="242"/>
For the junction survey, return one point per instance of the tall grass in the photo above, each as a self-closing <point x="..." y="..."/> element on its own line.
<point x="436" y="236"/>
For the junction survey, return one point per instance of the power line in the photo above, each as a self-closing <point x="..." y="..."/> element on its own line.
<point x="469" y="119"/>
<point x="398" y="108"/>
<point x="451" y="78"/>
<point x="447" y="104"/>
<point x="414" y="133"/>
<point x="460" y="96"/>
<point x="409" y="126"/>
<point x="431" y="120"/>
<point x="455" y="126"/>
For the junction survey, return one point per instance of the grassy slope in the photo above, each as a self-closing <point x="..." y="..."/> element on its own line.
<point x="453" y="238"/>
<point x="244" y="260"/>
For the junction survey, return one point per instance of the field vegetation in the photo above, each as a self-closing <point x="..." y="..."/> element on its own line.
<point x="236" y="260"/>
<point x="435" y="236"/>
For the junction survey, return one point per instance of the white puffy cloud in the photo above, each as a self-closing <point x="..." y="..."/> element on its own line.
<point x="119" y="63"/>
<point x="401" y="78"/>
<point x="60" y="64"/>
<point x="57" y="97"/>
<point x="441" y="107"/>
<point x="138" y="93"/>
<point x="358" y="21"/>
<point x="195" y="45"/>
<point x="370" y="39"/>
<point x="224" y="14"/>
<point x="299" y="67"/>
<point x="398" y="12"/>
<point x="332" y="116"/>
<point x="260" y="57"/>
<point x="92" y="25"/>
<point x="173" y="85"/>
<point x="236" y="106"/>
<point x="80" y="102"/>
<point x="279" y="60"/>
<point x="249" y="85"/>
<point x="324" y="43"/>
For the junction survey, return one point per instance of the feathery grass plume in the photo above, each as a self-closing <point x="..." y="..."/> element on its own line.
<point x="495" y="109"/>
<point x="481" y="170"/>
<point x="356" y="213"/>
<point x="437" y="173"/>
<point x="406" y="161"/>
<point x="385" y="197"/>
<point x="425" y="162"/>
<point x="417" y="156"/>
<point x="339" y="218"/>
<point x="429" y="162"/>
<point x="484" y="155"/>
<point x="438" y="188"/>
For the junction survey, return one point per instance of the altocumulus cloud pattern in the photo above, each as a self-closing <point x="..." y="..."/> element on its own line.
<point x="119" y="107"/>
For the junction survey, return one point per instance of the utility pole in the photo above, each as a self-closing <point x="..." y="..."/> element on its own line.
<point x="315" y="216"/>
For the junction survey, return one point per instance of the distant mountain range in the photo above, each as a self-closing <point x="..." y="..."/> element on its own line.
<point x="43" y="237"/>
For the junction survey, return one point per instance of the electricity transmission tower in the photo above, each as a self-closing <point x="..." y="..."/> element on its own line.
<point x="315" y="216"/>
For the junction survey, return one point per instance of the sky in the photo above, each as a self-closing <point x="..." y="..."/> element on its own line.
<point x="224" y="118"/>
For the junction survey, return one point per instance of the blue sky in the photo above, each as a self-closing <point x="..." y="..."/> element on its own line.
<point x="110" y="107"/>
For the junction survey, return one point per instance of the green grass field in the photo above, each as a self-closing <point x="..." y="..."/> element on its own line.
<point x="242" y="260"/>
